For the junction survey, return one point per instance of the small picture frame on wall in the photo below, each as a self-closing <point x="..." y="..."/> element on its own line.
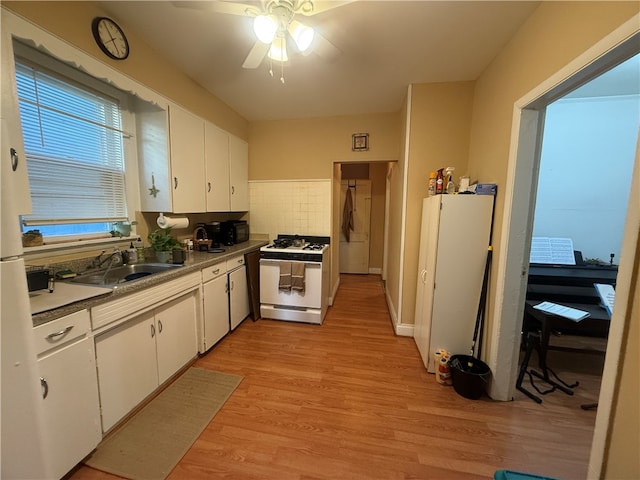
<point x="360" y="142"/>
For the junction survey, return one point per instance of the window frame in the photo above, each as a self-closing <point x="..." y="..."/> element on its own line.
<point x="74" y="75"/>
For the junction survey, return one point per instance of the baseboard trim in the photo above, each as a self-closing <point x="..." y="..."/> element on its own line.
<point x="401" y="329"/>
<point x="404" y="330"/>
<point x="375" y="271"/>
<point x="334" y="292"/>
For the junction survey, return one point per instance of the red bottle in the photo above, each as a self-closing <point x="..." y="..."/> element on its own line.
<point x="440" y="182"/>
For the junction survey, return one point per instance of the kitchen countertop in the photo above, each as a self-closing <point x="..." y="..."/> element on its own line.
<point x="194" y="262"/>
<point x="63" y="294"/>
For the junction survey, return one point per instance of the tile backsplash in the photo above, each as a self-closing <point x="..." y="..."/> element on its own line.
<point x="290" y="206"/>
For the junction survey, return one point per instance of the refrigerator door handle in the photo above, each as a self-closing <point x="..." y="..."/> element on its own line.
<point x="14" y="159"/>
<point x="45" y="387"/>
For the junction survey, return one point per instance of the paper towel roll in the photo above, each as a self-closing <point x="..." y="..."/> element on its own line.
<point x="172" y="222"/>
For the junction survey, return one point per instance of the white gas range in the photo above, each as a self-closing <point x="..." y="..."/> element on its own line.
<point x="294" y="278"/>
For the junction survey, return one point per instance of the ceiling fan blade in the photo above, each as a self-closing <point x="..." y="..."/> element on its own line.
<point x="220" y="6"/>
<point x="257" y="53"/>
<point x="314" y="7"/>
<point x="323" y="47"/>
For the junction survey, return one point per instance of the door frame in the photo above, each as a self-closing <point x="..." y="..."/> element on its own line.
<point x="520" y="191"/>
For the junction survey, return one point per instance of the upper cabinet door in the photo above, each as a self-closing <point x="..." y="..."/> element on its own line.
<point x="216" y="152"/>
<point x="238" y="174"/>
<point x="186" y="137"/>
<point x="15" y="181"/>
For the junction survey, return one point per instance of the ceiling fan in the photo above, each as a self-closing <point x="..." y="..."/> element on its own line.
<point x="275" y="21"/>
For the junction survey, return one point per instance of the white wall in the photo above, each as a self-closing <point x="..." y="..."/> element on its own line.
<point x="585" y="172"/>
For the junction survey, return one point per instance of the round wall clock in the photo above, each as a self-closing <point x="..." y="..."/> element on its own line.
<point x="110" y="38"/>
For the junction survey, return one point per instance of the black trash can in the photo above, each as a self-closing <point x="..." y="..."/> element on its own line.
<point x="469" y="376"/>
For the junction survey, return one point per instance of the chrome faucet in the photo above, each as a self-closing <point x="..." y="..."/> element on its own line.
<point x="113" y="258"/>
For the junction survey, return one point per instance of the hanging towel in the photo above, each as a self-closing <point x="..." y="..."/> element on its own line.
<point x="347" y="216"/>
<point x="285" y="276"/>
<point x="297" y="276"/>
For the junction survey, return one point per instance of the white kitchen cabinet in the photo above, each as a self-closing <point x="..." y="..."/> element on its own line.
<point x="205" y="169"/>
<point x="127" y="367"/>
<point x="138" y="355"/>
<point x="14" y="172"/>
<point x="186" y="137"/>
<point x="217" y="168"/>
<point x="239" y="307"/>
<point x="216" y="305"/>
<point x="66" y="363"/>
<point x="175" y="335"/>
<point x="238" y="174"/>
<point x="453" y="250"/>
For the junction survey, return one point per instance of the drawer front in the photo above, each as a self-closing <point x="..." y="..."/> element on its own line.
<point x="61" y="331"/>
<point x="235" y="262"/>
<point x="130" y="305"/>
<point x="214" y="271"/>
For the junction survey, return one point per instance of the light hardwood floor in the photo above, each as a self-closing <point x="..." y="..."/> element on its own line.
<point x="350" y="400"/>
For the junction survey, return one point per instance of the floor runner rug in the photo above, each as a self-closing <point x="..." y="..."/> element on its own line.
<point x="153" y="441"/>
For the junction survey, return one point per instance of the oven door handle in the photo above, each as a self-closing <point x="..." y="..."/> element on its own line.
<point x="276" y="263"/>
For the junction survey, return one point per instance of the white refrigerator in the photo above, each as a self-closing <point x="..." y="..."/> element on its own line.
<point x="21" y="449"/>
<point x="454" y="240"/>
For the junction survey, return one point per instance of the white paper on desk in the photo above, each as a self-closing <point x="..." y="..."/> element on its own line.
<point x="549" y="250"/>
<point x="607" y="295"/>
<point x="562" y="310"/>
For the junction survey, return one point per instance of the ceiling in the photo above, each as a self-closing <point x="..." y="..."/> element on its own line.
<point x="383" y="46"/>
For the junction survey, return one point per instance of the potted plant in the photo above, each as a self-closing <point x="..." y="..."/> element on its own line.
<point x="162" y="243"/>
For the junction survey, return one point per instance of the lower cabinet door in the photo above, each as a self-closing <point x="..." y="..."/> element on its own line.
<point x="127" y="368"/>
<point x="216" y="311"/>
<point x="176" y="339"/>
<point x="238" y="296"/>
<point x="70" y="404"/>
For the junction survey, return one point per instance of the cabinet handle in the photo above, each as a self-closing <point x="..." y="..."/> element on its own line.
<point x="233" y="189"/>
<point x="208" y="186"/>
<point x="159" y="326"/>
<point x="423" y="275"/>
<point x="153" y="330"/>
<point x="14" y="159"/>
<point x="175" y="182"/>
<point x="231" y="284"/>
<point x="240" y="261"/>
<point x="226" y="287"/>
<point x="45" y="387"/>
<point x="53" y="336"/>
<point x="216" y="271"/>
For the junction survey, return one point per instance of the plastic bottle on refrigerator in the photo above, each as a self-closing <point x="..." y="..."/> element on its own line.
<point x="432" y="184"/>
<point x="440" y="182"/>
<point x="451" y="186"/>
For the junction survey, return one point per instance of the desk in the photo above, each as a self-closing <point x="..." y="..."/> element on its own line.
<point x="537" y="328"/>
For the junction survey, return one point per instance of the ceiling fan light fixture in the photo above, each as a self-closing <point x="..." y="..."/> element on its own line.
<point x="265" y="28"/>
<point x="301" y="34"/>
<point x="278" y="50"/>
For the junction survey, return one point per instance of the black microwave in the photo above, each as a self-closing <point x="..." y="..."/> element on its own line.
<point x="234" y="231"/>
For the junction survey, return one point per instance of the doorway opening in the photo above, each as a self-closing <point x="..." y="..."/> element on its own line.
<point x="582" y="193"/>
<point x="512" y="268"/>
<point x="365" y="252"/>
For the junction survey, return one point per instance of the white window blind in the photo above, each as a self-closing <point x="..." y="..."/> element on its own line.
<point x="74" y="149"/>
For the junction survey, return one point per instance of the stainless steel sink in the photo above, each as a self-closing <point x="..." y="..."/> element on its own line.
<point x="123" y="274"/>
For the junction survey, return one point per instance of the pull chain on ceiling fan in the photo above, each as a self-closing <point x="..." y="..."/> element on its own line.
<point x="272" y="28"/>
